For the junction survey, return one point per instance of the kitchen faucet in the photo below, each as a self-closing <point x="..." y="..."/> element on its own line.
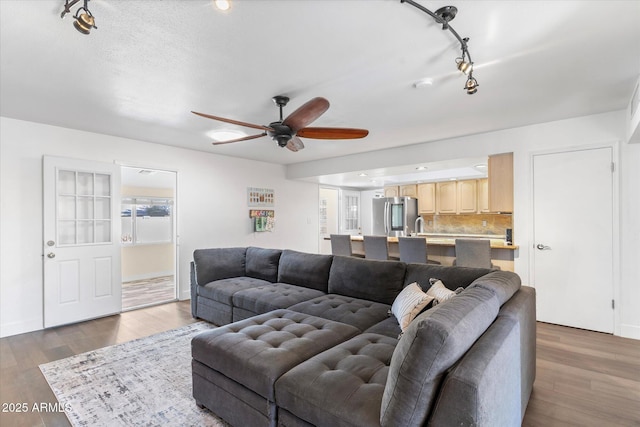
<point x="415" y="225"/>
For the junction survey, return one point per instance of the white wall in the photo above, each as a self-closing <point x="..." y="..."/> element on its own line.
<point x="212" y="206"/>
<point x="597" y="129"/>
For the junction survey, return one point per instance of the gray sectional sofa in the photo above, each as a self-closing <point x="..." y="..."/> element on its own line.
<point x="307" y="339"/>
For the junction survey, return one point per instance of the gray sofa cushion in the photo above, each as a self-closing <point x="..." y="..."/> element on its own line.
<point x="432" y="343"/>
<point x="262" y="263"/>
<point x="256" y="352"/>
<point x="222" y="290"/>
<point x="342" y="386"/>
<point x="503" y="283"/>
<point x="353" y="311"/>
<point x="379" y="281"/>
<point x="273" y="296"/>
<point x="389" y="327"/>
<point x="452" y="277"/>
<point x="302" y="269"/>
<point x="218" y="263"/>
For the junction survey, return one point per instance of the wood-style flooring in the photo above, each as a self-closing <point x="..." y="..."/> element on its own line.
<point x="140" y="293"/>
<point x="583" y="378"/>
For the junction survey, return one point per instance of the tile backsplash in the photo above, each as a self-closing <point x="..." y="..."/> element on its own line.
<point x="489" y="224"/>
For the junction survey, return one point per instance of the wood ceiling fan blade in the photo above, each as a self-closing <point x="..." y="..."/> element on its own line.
<point x="306" y="114"/>
<point x="295" y="144"/>
<point x="332" y="133"/>
<point x="244" y="138"/>
<point x="233" y="122"/>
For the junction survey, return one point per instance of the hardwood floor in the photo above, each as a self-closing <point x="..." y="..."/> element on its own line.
<point x="583" y="378"/>
<point x="140" y="293"/>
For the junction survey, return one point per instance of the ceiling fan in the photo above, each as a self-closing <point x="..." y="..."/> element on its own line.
<point x="286" y="132"/>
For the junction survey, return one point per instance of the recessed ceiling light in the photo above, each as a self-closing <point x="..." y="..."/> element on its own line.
<point x="363" y="174"/>
<point x="421" y="84"/>
<point x="222" y="4"/>
<point x="225" y="134"/>
<point x="480" y="166"/>
<point x="421" y="168"/>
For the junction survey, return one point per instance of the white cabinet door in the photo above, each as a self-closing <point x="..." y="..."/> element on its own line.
<point x="81" y="240"/>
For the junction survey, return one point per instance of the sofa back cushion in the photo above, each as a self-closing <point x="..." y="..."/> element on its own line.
<point x="218" y="263"/>
<point x="303" y="269"/>
<point x="432" y="344"/>
<point x="452" y="277"/>
<point x="379" y="281"/>
<point x="503" y="283"/>
<point x="262" y="263"/>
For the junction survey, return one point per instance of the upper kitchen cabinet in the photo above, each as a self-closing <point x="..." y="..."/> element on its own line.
<point x="501" y="182"/>
<point x="467" y="196"/>
<point x="409" y="190"/>
<point x="447" y="197"/>
<point x="483" y="195"/>
<point x="426" y="198"/>
<point x="392" y="191"/>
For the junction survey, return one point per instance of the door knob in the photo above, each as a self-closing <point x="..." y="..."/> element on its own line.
<point x="51" y="255"/>
<point x="542" y="247"/>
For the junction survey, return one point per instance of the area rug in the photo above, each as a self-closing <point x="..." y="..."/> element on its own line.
<point x="142" y="382"/>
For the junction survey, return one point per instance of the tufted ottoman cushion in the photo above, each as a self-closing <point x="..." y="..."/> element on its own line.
<point x="239" y="363"/>
<point x="354" y="311"/>
<point x="342" y="386"/>
<point x="273" y="296"/>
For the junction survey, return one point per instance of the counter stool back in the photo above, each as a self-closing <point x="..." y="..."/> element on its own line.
<point x="375" y="247"/>
<point x="414" y="249"/>
<point x="341" y="244"/>
<point x="473" y="253"/>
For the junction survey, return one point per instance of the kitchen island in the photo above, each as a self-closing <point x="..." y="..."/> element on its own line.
<point x="441" y="248"/>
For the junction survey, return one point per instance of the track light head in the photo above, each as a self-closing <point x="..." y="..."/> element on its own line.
<point x="471" y="86"/>
<point x="84" y="22"/>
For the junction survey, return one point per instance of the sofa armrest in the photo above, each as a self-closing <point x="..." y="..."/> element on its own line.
<point x="484" y="389"/>
<point x="194" y="292"/>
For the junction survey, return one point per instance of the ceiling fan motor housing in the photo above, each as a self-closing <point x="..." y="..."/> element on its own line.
<point x="281" y="134"/>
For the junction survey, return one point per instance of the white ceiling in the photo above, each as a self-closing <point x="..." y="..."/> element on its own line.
<point x="150" y="63"/>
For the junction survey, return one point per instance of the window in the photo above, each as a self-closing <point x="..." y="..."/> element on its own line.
<point x="146" y="220"/>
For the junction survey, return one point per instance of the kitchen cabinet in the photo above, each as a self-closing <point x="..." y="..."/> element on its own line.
<point x="392" y="191"/>
<point x="467" y="193"/>
<point x="447" y="197"/>
<point x="426" y="198"/>
<point x="501" y="182"/>
<point x="483" y="195"/>
<point x="410" y="190"/>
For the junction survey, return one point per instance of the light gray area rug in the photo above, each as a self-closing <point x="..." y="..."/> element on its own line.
<point x="145" y="382"/>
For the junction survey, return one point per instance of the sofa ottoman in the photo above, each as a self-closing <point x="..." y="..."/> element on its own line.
<point x="236" y="366"/>
<point x="342" y="386"/>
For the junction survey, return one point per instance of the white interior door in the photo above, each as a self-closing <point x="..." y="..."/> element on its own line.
<point x="81" y="240"/>
<point x="573" y="238"/>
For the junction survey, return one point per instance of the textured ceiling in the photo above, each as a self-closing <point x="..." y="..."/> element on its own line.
<point x="150" y="62"/>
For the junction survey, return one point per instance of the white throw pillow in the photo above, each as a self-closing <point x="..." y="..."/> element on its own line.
<point x="409" y="303"/>
<point x="440" y="292"/>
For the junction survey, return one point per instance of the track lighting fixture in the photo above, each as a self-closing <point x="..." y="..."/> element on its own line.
<point x="464" y="63"/>
<point x="84" y="21"/>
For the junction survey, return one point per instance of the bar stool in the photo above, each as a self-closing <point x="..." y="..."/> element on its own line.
<point x="473" y="253"/>
<point x="375" y="247"/>
<point x="414" y="249"/>
<point x="341" y="244"/>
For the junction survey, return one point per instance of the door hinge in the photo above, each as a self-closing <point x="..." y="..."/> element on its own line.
<point x="613" y="167"/>
<point x="613" y="304"/>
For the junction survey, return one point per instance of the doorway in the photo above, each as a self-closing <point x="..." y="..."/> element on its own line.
<point x="573" y="238"/>
<point x="149" y="250"/>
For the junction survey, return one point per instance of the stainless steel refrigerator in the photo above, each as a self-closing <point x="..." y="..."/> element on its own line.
<point x="394" y="216"/>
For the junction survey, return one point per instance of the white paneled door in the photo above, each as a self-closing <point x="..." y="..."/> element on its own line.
<point x="81" y="240"/>
<point x="572" y="251"/>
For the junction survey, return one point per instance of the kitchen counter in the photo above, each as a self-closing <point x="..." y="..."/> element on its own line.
<point x="441" y="248"/>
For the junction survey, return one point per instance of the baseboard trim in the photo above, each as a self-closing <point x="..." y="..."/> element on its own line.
<point x="16" y="328"/>
<point x="630" y="331"/>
